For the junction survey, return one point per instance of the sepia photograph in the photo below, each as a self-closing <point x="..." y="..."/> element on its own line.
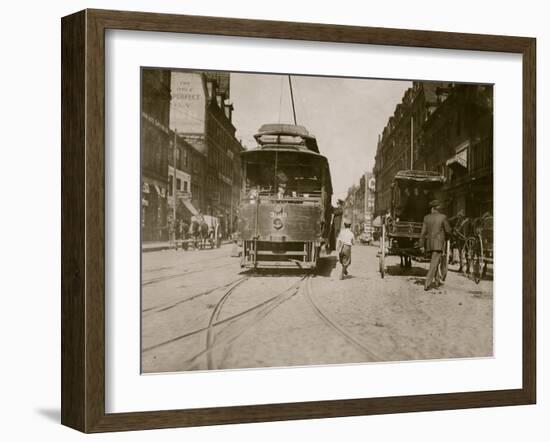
<point x="300" y="220"/>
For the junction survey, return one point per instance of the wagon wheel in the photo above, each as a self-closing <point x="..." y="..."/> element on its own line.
<point x="381" y="259"/>
<point x="444" y="262"/>
<point x="211" y="239"/>
<point x="468" y="252"/>
<point x="478" y="259"/>
<point x="473" y="257"/>
<point x="381" y="263"/>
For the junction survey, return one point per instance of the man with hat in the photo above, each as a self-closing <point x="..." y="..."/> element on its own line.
<point x="345" y="241"/>
<point x="435" y="230"/>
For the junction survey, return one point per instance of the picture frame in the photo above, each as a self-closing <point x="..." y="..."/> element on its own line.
<point x="83" y="220"/>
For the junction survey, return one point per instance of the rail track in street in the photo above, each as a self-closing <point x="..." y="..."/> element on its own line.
<point x="238" y="324"/>
<point x="326" y="318"/>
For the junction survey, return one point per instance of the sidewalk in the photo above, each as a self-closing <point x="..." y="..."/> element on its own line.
<point x="155" y="246"/>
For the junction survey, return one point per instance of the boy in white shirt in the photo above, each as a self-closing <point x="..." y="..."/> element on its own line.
<point x="344" y="243"/>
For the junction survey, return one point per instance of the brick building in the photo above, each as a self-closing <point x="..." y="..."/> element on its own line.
<point x="201" y="112"/>
<point x="457" y="141"/>
<point x="187" y="186"/>
<point x="451" y="127"/>
<point x="359" y="204"/>
<point x="155" y="145"/>
<point x="223" y="166"/>
<point x="394" y="144"/>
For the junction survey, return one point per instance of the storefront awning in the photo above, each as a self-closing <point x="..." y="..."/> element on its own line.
<point x="189" y="206"/>
<point x="161" y="191"/>
<point x="459" y="160"/>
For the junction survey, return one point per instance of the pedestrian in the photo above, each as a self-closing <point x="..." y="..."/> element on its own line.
<point x="435" y="230"/>
<point x="337" y="213"/>
<point x="184" y="233"/>
<point x="344" y="243"/>
<point x="281" y="191"/>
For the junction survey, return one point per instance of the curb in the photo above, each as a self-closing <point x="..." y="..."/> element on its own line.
<point x="169" y="246"/>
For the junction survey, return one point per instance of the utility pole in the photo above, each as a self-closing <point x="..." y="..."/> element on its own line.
<point x="412" y="142"/>
<point x="174" y="199"/>
<point x="292" y="98"/>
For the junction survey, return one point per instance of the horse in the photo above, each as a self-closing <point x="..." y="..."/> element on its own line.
<point x="204" y="228"/>
<point x="183" y="231"/>
<point x="195" y="232"/>
<point x="482" y="229"/>
<point x="405" y="258"/>
<point x="461" y="230"/>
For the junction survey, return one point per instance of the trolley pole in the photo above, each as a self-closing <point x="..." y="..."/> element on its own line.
<point x="292" y="98"/>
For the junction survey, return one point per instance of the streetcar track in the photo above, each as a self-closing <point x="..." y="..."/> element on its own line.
<point x="178" y="275"/>
<point x="163" y="308"/>
<point x="157" y="269"/>
<point x="262" y="314"/>
<point x="265" y="308"/>
<point x="220" y="322"/>
<point x="214" y="317"/>
<point x="328" y="321"/>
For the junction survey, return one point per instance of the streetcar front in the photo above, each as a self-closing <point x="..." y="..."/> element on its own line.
<point x="283" y="216"/>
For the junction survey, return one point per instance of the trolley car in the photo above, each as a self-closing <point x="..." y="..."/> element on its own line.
<point x="411" y="192"/>
<point x="285" y="208"/>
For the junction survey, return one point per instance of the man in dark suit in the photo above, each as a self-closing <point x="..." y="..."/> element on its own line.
<point x="435" y="230"/>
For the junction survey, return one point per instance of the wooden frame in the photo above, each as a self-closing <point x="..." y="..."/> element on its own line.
<point x="83" y="217"/>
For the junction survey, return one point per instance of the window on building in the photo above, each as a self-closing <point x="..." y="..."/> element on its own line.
<point x="185" y="157"/>
<point x="170" y="184"/>
<point x="178" y="184"/>
<point x="185" y="186"/>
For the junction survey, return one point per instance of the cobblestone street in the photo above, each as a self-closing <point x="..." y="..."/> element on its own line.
<point x="200" y="311"/>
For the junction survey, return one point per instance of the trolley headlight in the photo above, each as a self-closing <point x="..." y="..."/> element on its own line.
<point x="277" y="223"/>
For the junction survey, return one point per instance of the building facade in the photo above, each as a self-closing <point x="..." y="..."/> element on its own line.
<point x="399" y="141"/>
<point x="224" y="165"/>
<point x="457" y="141"/>
<point x="443" y="127"/>
<point x="201" y="113"/>
<point x="359" y="205"/>
<point x="180" y="187"/>
<point x="370" y="188"/>
<point x="155" y="145"/>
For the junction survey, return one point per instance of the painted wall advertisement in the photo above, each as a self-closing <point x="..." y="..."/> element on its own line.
<point x="188" y="104"/>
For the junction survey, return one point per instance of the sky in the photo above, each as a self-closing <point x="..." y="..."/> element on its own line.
<point x="346" y="115"/>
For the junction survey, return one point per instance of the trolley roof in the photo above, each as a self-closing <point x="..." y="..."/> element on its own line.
<point x="287" y="135"/>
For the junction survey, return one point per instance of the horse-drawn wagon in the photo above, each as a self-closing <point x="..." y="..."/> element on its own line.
<point x="205" y="229"/>
<point x="411" y="192"/>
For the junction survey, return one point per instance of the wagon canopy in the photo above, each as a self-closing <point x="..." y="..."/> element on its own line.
<point x="412" y="191"/>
